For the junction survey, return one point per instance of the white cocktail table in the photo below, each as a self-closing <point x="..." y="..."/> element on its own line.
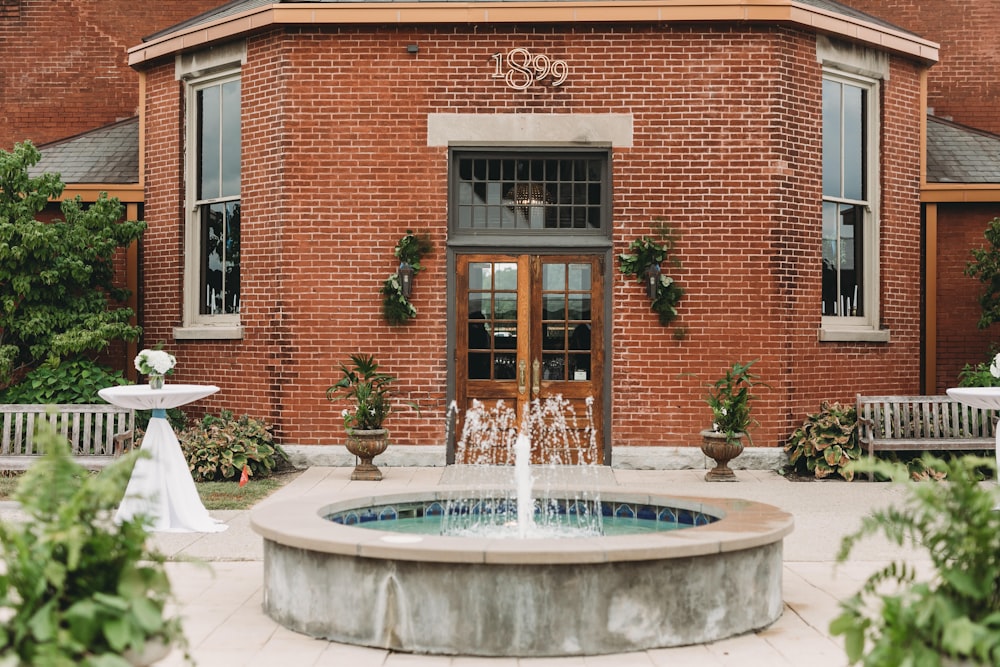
<point x="981" y="397"/>
<point x="161" y="486"/>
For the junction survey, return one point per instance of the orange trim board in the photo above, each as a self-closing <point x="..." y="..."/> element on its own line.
<point x="570" y="11"/>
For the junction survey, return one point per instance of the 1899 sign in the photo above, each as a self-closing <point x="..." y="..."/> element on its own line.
<point x="521" y="69"/>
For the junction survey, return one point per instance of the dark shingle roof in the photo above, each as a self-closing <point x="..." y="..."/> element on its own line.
<point x="109" y="154"/>
<point x="960" y="154"/>
<point x="239" y="6"/>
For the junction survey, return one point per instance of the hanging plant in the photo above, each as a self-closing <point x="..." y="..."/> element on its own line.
<point x="654" y="251"/>
<point x="396" y="306"/>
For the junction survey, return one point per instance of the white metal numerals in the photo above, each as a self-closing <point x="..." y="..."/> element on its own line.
<point x="522" y="69"/>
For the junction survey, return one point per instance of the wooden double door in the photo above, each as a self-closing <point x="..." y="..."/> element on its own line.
<point x="530" y="328"/>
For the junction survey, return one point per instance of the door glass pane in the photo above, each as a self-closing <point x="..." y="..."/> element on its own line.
<point x="479" y="365"/>
<point x="553" y="367"/>
<point x="579" y="367"/>
<point x="479" y="305"/>
<point x="579" y="276"/>
<point x="506" y="276"/>
<point x="554" y="337"/>
<point x="554" y="277"/>
<point x="504" y="367"/>
<point x="554" y="307"/>
<point x="505" y="306"/>
<point x="579" y="306"/>
<point x="479" y="275"/>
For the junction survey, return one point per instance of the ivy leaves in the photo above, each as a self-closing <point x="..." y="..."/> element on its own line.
<point x="396" y="307"/>
<point x="647" y="251"/>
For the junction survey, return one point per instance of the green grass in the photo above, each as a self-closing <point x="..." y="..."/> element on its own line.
<point x="214" y="495"/>
<point x="229" y="495"/>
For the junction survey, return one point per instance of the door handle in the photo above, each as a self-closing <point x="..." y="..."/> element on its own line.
<point x="522" y="376"/>
<point x="536" y="378"/>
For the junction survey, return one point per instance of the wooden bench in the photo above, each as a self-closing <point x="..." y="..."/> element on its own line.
<point x="96" y="433"/>
<point x="912" y="423"/>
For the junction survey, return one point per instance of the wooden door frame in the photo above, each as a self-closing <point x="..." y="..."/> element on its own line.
<point x="601" y="250"/>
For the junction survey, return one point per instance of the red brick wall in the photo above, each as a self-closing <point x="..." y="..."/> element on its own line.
<point x="962" y="85"/>
<point x="960" y="341"/>
<point x="726" y="149"/>
<point x="64" y="67"/>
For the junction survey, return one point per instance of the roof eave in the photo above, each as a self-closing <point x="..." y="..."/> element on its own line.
<point x="546" y="11"/>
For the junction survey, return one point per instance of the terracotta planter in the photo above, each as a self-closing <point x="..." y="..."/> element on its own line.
<point x="715" y="446"/>
<point x="366" y="445"/>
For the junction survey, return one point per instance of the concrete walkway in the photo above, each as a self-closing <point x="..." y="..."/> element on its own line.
<point x="217" y="579"/>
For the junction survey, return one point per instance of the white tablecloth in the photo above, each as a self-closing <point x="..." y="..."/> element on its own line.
<point x="161" y="486"/>
<point x="981" y="397"/>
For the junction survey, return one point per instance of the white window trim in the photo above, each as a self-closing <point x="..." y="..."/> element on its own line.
<point x="866" y="328"/>
<point x="194" y="324"/>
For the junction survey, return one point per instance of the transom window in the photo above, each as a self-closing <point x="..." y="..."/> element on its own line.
<point x="850" y="248"/>
<point x="528" y="192"/>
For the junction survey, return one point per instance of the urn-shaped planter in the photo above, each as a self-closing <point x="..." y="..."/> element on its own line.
<point x="366" y="445"/>
<point x="717" y="447"/>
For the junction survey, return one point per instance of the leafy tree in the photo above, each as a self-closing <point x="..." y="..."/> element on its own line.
<point x="56" y="292"/>
<point x="986" y="267"/>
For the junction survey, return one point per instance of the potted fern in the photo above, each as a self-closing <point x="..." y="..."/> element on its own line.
<point x="367" y="390"/>
<point x="729" y="398"/>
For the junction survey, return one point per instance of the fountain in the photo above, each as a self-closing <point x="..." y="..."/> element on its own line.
<point x="328" y="574"/>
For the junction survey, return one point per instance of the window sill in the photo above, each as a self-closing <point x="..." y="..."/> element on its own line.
<point x="853" y="335"/>
<point x="209" y="332"/>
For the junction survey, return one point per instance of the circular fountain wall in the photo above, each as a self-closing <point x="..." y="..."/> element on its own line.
<point x="522" y="597"/>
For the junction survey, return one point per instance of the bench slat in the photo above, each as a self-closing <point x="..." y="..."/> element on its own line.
<point x="916" y="423"/>
<point x="96" y="432"/>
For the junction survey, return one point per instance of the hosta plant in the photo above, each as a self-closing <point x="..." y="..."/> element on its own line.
<point x="950" y="616"/>
<point x="826" y="443"/>
<point x="217" y="448"/>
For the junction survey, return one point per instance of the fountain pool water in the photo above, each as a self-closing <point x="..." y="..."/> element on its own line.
<point x="326" y="576"/>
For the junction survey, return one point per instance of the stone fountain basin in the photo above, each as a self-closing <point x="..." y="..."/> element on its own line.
<point x="530" y="597"/>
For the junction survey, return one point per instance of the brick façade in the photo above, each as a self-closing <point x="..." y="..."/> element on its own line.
<point x="727" y="147"/>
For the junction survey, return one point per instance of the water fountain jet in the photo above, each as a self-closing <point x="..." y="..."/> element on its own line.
<point x="327" y="576"/>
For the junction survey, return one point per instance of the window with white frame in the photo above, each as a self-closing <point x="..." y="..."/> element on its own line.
<point x="850" y="204"/>
<point x="212" y="271"/>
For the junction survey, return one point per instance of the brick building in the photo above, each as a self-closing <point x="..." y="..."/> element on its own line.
<point x="289" y="147"/>
<point x="67" y="87"/>
<point x="961" y="190"/>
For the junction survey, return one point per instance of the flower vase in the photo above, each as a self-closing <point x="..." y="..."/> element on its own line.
<point x="156" y="381"/>
<point x="366" y="445"/>
<point x="722" y="450"/>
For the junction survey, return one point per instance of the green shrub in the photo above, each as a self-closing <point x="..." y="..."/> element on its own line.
<point x="77" y="588"/>
<point x="76" y="382"/>
<point x="826" y="443"/>
<point x="217" y="448"/>
<point x="979" y="375"/>
<point x="899" y="619"/>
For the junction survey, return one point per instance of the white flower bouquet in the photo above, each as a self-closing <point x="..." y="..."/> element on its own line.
<point x="154" y="362"/>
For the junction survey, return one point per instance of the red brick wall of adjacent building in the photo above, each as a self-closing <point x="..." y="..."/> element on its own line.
<point x="727" y="149"/>
<point x="64" y="68"/>
<point x="962" y="86"/>
<point x="960" y="341"/>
